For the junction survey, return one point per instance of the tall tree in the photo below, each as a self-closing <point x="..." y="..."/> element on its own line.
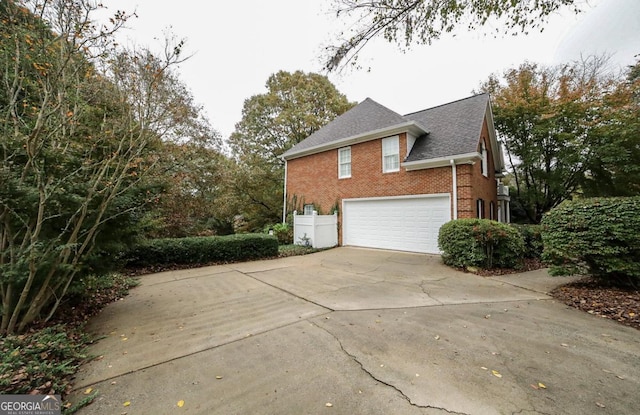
<point x="615" y="168"/>
<point x="294" y="106"/>
<point x="549" y="119"/>
<point x="405" y="22"/>
<point x="198" y="199"/>
<point x="78" y="121"/>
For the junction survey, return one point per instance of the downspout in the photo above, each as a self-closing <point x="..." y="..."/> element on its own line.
<point x="454" y="174"/>
<point x="284" y="205"/>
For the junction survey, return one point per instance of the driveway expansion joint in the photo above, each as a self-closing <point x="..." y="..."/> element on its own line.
<point x="372" y="376"/>
<point x="287" y="291"/>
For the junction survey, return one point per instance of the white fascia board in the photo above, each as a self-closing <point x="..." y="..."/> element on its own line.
<point x="442" y="161"/>
<point x="410" y="127"/>
<point x="498" y="158"/>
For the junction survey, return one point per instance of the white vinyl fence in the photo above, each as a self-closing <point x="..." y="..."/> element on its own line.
<point x="318" y="231"/>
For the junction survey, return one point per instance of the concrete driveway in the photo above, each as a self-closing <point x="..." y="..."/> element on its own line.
<point x="356" y="331"/>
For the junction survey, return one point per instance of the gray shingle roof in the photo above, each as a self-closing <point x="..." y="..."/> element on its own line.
<point x="364" y="117"/>
<point x="454" y="128"/>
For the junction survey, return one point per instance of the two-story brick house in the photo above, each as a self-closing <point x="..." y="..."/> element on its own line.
<point x="396" y="179"/>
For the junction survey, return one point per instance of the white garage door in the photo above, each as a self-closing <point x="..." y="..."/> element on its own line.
<point x="398" y="223"/>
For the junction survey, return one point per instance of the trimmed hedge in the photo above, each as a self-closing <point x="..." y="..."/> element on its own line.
<point x="194" y="250"/>
<point x="480" y="243"/>
<point x="598" y="236"/>
<point x="532" y="238"/>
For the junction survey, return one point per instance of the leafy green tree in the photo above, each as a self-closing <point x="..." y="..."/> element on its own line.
<point x="405" y="22"/>
<point x="294" y="106"/>
<point x="615" y="168"/>
<point x="197" y="199"/>
<point x="549" y="119"/>
<point x="79" y="123"/>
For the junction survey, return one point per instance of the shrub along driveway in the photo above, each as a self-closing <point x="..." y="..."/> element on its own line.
<point x="354" y="331"/>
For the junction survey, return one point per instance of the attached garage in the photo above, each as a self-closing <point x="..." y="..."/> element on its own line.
<point x="399" y="223"/>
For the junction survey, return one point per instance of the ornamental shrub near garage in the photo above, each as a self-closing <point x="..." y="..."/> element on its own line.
<point x="480" y="243"/>
<point x="598" y="236"/>
<point x="194" y="250"/>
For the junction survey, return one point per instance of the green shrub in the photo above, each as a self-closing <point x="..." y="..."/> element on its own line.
<point x="283" y="233"/>
<point x="599" y="236"/>
<point x="532" y="238"/>
<point x="480" y="243"/>
<point x="203" y="249"/>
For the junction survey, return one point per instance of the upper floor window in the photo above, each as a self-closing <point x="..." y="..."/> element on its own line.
<point x="484" y="167"/>
<point x="390" y="154"/>
<point x="344" y="162"/>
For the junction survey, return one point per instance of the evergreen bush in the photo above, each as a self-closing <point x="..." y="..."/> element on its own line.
<point x="532" y="238"/>
<point x="205" y="249"/>
<point x="597" y="236"/>
<point x="480" y="243"/>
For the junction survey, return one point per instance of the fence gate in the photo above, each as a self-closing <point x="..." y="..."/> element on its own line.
<point x="318" y="231"/>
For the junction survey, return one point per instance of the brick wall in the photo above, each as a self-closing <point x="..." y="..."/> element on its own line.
<point x="314" y="179"/>
<point x="485" y="188"/>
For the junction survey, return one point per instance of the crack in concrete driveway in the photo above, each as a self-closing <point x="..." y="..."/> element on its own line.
<point x="408" y="336"/>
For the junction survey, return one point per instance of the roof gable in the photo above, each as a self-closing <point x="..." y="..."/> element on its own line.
<point x="363" y="118"/>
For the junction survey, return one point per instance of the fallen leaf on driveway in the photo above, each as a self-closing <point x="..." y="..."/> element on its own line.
<point x="483" y="368"/>
<point x="127" y="403"/>
<point x="218" y="377"/>
<point x="534" y="386"/>
<point x="541" y="385"/>
<point x="88" y="391"/>
<point x="328" y="404"/>
<point x="496" y="373"/>
<point x="437" y="337"/>
<point x="180" y="403"/>
<point x="564" y="345"/>
<point x="601" y="405"/>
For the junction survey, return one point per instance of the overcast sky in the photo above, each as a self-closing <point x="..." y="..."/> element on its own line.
<point x="237" y="45"/>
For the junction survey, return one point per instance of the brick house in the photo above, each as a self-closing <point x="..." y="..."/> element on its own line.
<point x="396" y="179"/>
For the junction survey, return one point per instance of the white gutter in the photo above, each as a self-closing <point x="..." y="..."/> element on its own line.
<point x="442" y="161"/>
<point x="454" y="194"/>
<point x="284" y="206"/>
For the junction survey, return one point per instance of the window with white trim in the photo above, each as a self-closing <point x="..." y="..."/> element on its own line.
<point x="390" y="154"/>
<point x="308" y="209"/>
<point x="344" y="162"/>
<point x="492" y="209"/>
<point x="484" y="167"/>
<point x="480" y="208"/>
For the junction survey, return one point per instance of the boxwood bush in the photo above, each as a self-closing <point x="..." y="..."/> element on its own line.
<point x="205" y="249"/>
<point x="598" y="236"/>
<point x="532" y="238"/>
<point x="480" y="243"/>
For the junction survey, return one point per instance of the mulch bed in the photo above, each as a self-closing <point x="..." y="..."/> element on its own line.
<point x="596" y="297"/>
